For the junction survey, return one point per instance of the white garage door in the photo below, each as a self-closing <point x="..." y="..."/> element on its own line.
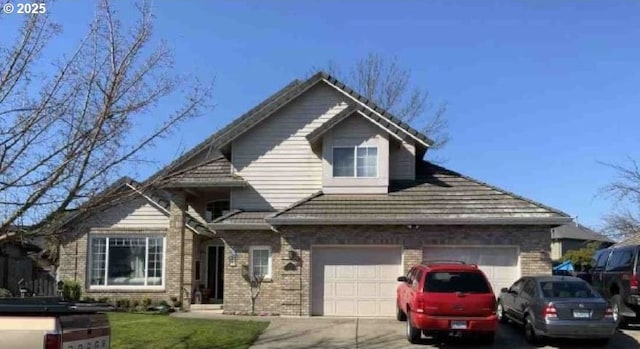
<point x="355" y="281"/>
<point x="500" y="264"/>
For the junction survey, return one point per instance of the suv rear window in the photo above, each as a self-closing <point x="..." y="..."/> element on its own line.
<point x="456" y="281"/>
<point x="566" y="289"/>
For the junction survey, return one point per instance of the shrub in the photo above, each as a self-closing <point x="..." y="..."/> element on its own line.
<point x="123" y="304"/>
<point x="146" y="303"/>
<point x="5" y="293"/>
<point x="71" y="290"/>
<point x="103" y="300"/>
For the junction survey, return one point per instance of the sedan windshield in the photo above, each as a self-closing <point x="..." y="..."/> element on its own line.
<point x="566" y="289"/>
<point x="447" y="282"/>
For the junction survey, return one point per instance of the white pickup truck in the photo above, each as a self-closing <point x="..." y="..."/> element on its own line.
<point x="49" y="323"/>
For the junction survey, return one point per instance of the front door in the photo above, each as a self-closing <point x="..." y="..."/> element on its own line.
<point x="215" y="267"/>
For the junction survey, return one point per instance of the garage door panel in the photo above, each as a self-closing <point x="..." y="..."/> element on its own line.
<point x="355" y="281"/>
<point x="500" y="264"/>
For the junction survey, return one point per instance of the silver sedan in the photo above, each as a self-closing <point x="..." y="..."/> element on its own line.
<point x="556" y="307"/>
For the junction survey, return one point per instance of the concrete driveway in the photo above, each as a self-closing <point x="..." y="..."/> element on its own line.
<point x="303" y="333"/>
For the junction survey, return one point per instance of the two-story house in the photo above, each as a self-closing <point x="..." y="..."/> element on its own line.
<point x="321" y="192"/>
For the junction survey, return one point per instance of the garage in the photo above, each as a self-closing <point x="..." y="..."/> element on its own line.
<point x="500" y="264"/>
<point x="355" y="281"/>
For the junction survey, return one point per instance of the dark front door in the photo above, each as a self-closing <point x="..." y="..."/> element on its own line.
<point x="215" y="267"/>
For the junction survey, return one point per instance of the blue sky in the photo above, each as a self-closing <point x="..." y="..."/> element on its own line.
<point x="539" y="92"/>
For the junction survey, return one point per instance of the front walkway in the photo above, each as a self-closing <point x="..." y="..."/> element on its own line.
<point x="374" y="333"/>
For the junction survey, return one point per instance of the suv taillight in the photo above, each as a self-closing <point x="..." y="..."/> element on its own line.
<point x="419" y="304"/>
<point x="52" y="341"/>
<point x="550" y="312"/>
<point x="634" y="282"/>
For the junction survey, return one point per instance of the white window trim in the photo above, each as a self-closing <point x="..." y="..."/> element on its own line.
<point x="355" y="160"/>
<point x="126" y="287"/>
<point x="270" y="263"/>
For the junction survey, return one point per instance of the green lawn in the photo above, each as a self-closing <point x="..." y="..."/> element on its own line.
<point x="137" y="331"/>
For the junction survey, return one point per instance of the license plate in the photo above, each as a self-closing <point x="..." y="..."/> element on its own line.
<point x="581" y="314"/>
<point x="458" y="325"/>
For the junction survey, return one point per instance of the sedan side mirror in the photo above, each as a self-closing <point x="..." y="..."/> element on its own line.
<point x="402" y="278"/>
<point x="504" y="290"/>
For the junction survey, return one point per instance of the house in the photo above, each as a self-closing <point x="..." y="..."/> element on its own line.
<point x="574" y="236"/>
<point x="320" y="192"/>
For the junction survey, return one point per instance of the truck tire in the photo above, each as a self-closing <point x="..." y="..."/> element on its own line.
<point x="616" y="302"/>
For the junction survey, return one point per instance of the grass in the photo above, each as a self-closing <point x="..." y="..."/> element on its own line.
<point x="137" y="331"/>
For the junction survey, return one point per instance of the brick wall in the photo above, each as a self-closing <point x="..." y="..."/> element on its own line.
<point x="289" y="292"/>
<point x="178" y="259"/>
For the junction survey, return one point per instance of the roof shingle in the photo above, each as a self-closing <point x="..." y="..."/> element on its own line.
<point x="215" y="172"/>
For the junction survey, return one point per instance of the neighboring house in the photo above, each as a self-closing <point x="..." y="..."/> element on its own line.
<point x="320" y="191"/>
<point x="574" y="236"/>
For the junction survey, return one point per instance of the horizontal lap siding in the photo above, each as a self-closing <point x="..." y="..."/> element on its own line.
<point x="402" y="160"/>
<point x="275" y="157"/>
<point x="138" y="213"/>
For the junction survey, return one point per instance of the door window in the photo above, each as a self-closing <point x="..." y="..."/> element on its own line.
<point x="529" y="289"/>
<point x="517" y="286"/>
<point x="600" y="260"/>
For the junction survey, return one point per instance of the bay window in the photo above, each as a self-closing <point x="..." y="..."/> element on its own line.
<point x="126" y="261"/>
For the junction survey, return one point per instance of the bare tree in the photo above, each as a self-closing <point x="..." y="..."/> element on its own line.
<point x="625" y="222"/>
<point x="255" y="284"/>
<point x="388" y="84"/>
<point x="66" y="133"/>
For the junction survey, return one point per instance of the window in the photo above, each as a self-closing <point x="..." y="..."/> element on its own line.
<point x="620" y="260"/>
<point x="529" y="289"/>
<point x="566" y="289"/>
<point x="601" y="260"/>
<point x="260" y="261"/>
<point x="416" y="282"/>
<point x="216" y="209"/>
<point x="355" y="162"/>
<point x="447" y="282"/>
<point x="126" y="261"/>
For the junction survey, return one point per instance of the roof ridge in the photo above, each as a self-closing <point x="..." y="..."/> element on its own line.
<point x="295" y="204"/>
<point x="533" y="202"/>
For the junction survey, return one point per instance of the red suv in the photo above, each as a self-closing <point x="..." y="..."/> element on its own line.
<point x="443" y="298"/>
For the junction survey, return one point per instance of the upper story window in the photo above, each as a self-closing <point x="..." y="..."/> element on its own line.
<point x="216" y="209"/>
<point x="355" y="162"/>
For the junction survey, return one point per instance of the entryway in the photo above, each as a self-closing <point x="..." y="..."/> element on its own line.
<point x="215" y="274"/>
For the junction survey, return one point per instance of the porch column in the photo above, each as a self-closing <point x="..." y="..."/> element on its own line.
<point x="179" y="252"/>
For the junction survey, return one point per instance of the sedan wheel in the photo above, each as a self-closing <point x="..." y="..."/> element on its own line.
<point x="529" y="331"/>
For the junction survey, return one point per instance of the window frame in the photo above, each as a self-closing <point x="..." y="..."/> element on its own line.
<point x="355" y="160"/>
<point x="206" y="206"/>
<point x="104" y="286"/>
<point x="269" y="274"/>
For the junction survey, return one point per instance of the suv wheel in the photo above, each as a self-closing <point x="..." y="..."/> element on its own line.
<point x="400" y="315"/>
<point x="413" y="334"/>
<point x="615" y="306"/>
<point x="500" y="312"/>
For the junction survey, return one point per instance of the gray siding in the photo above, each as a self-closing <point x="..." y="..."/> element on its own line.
<point x="137" y="213"/>
<point x="355" y="131"/>
<point x="276" y="159"/>
<point x="402" y="160"/>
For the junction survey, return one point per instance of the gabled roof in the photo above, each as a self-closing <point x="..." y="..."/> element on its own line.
<point x="438" y="196"/>
<point x="355" y="109"/>
<point x="577" y="231"/>
<point x="126" y="183"/>
<point x="227" y="134"/>
<point x="214" y="172"/>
